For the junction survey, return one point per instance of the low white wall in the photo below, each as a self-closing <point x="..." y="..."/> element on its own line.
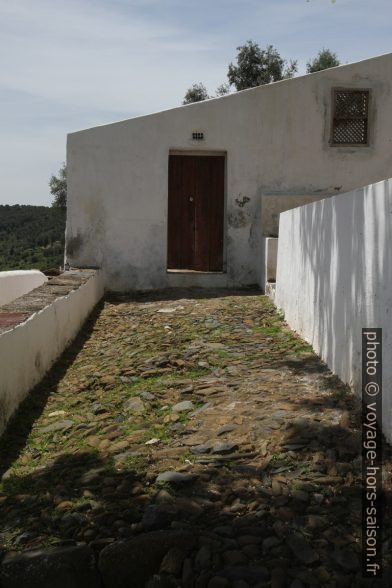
<point x="334" y="277"/>
<point x="28" y="350"/>
<point x="18" y="283"/>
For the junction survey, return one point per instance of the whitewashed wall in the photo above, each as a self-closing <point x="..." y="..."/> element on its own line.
<point x="276" y="140"/>
<point x="334" y="277"/>
<point x="28" y="350"/>
<point x="17" y="283"/>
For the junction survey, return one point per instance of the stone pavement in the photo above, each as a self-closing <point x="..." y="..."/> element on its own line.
<point x="189" y="438"/>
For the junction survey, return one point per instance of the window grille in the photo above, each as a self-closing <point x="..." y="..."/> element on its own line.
<point x="197" y="135"/>
<point x="350" y="117"/>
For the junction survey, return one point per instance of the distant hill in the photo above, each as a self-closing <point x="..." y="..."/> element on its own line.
<point x="31" y="237"/>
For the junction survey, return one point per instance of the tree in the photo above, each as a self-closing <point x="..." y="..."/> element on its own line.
<point x="324" y="60"/>
<point x="196" y="93"/>
<point x="256" y="66"/>
<point x="222" y="90"/>
<point x="58" y="188"/>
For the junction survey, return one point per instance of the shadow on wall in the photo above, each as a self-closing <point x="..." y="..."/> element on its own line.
<point x="20" y="425"/>
<point x="341" y="251"/>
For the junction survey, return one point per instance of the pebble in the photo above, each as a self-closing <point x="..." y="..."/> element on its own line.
<point x="316" y="522"/>
<point x="300" y="495"/>
<point x="346" y="559"/>
<point x="104" y="444"/>
<point x="203" y="558"/>
<point x="251" y="551"/>
<point x="183" y="406"/>
<point x="234" y="557"/>
<point x="251" y="574"/>
<point x="248" y="540"/>
<point x="187" y="573"/>
<point x="57" y="413"/>
<point x="226" y="429"/>
<point x="225" y="530"/>
<point x="135" y="405"/>
<point x="318" y="498"/>
<point x="116" y="447"/>
<point x="201" y="409"/>
<point x="200" y="449"/>
<point x="147" y="395"/>
<point x="172" y="562"/>
<point x="57" y="426"/>
<point x="98" y="408"/>
<point x="278" y="578"/>
<point x="301" y="549"/>
<point x="157" y="517"/>
<point x="270" y="542"/>
<point x="174" y="477"/>
<point x="223" y="448"/>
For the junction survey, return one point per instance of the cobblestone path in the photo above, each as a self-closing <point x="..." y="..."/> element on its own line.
<point x="193" y="412"/>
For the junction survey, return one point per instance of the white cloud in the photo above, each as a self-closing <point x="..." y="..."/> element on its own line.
<point x="82" y="56"/>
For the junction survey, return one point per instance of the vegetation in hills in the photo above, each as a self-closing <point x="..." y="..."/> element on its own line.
<point x="31" y="237"/>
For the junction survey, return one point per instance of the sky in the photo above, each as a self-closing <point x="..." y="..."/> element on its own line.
<point x="67" y="65"/>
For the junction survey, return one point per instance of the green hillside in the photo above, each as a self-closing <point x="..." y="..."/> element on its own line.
<point x="31" y="237"/>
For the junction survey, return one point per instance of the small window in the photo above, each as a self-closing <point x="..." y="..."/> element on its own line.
<point x="198" y="135"/>
<point x="350" y="117"/>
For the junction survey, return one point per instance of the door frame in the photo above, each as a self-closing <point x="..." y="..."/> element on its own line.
<point x="196" y="152"/>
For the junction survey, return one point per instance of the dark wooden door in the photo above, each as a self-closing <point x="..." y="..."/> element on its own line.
<point x="196" y="208"/>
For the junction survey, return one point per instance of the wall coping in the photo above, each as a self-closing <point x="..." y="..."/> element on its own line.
<point x="20" y="310"/>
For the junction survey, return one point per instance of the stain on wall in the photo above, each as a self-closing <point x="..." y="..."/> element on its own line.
<point x="73" y="245"/>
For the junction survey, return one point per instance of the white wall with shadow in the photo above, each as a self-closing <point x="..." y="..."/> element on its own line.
<point x="334" y="277"/>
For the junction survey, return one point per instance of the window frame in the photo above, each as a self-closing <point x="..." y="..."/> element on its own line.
<point x="334" y="91"/>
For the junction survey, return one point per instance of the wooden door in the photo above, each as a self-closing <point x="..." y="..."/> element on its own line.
<point x="196" y="210"/>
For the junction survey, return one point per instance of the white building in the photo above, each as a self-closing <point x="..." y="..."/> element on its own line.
<point x="185" y="196"/>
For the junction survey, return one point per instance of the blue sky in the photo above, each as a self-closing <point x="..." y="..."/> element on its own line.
<point x="71" y="64"/>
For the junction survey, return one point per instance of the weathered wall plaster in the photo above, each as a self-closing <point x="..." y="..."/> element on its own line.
<point x="274" y="204"/>
<point x="276" y="141"/>
<point x="28" y="350"/>
<point x="334" y="277"/>
<point x="17" y="283"/>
